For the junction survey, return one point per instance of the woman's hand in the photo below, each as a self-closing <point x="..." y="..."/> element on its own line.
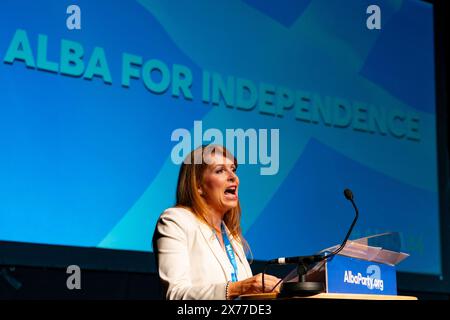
<point x="253" y="285"/>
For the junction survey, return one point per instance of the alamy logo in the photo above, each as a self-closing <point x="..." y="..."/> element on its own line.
<point x="374" y="20"/>
<point x="74" y="20"/>
<point x="74" y="280"/>
<point x="262" y="145"/>
<point x="372" y="280"/>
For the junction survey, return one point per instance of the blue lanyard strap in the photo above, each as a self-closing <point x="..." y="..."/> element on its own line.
<point x="230" y="253"/>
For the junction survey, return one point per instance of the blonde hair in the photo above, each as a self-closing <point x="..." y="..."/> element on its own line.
<point x="190" y="178"/>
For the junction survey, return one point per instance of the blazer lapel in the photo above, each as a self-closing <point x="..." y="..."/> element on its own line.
<point x="216" y="249"/>
<point x="241" y="254"/>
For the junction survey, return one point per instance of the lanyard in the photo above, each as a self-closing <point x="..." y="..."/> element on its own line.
<point x="230" y="252"/>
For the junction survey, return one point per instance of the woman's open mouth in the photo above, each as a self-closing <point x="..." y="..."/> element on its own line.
<point x="231" y="192"/>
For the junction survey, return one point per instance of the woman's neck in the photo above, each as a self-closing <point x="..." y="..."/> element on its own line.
<point x="215" y="219"/>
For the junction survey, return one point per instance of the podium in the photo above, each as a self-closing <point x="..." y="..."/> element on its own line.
<point x="364" y="269"/>
<point x="334" y="296"/>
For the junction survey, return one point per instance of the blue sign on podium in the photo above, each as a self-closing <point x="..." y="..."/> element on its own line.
<point x="351" y="275"/>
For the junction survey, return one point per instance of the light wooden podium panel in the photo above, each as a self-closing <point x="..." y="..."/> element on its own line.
<point x="337" y="296"/>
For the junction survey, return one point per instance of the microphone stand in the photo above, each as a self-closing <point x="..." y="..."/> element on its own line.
<point x="304" y="264"/>
<point x="302" y="287"/>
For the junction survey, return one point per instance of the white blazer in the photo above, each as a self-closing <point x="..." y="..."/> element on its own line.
<point x="191" y="262"/>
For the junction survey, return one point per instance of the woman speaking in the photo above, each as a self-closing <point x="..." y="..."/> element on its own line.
<point x="198" y="244"/>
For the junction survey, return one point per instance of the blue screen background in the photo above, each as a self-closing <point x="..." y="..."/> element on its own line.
<point x="84" y="163"/>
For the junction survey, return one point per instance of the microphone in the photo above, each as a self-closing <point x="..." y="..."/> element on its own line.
<point x="303" y="287"/>
<point x="307" y="260"/>
<point x="349" y="196"/>
<point x="296" y="260"/>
